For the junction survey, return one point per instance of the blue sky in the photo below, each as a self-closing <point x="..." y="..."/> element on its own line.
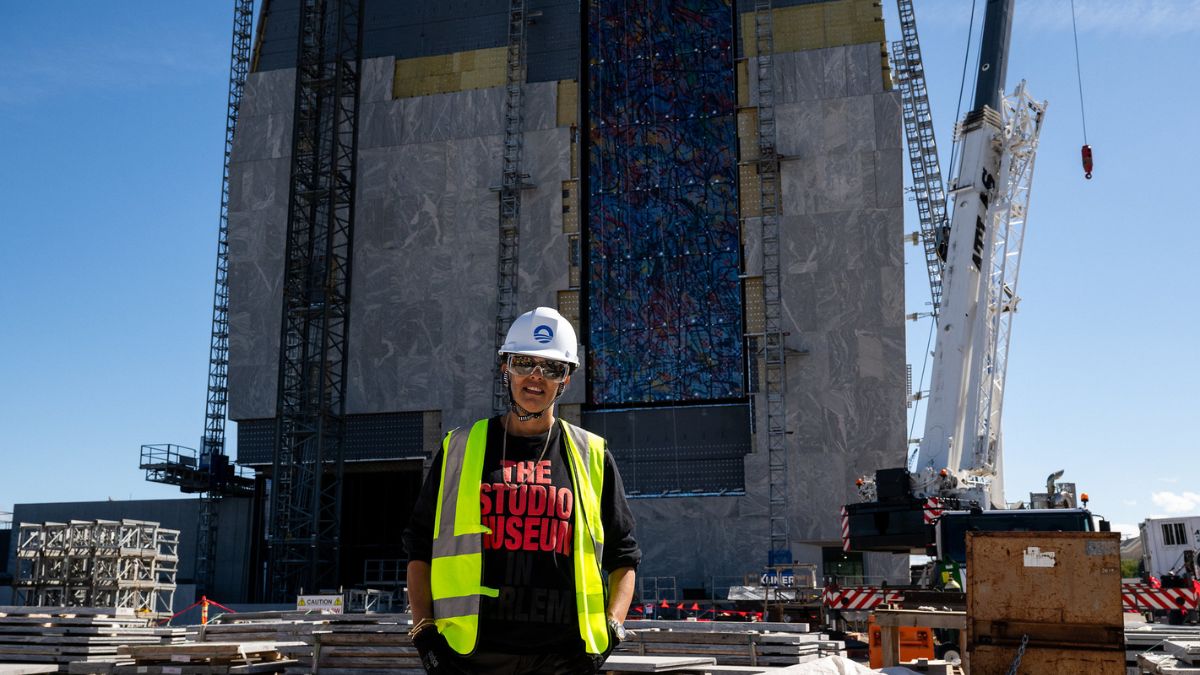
<point x="112" y="118"/>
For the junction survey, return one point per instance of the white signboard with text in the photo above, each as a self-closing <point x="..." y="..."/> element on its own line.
<point x="325" y="604"/>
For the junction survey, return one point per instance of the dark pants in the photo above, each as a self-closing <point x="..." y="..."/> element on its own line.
<point x="495" y="663"/>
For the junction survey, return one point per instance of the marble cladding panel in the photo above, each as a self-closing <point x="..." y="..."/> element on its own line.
<point x="273" y="91"/>
<point x="694" y="539"/>
<point x="258" y="185"/>
<point x="864" y="69"/>
<point x="847" y="125"/>
<point x="426" y="231"/>
<point x="376" y="79"/>
<point x="822" y="74"/>
<point x="881" y="230"/>
<point x="461" y="114"/>
<point x="889" y="178"/>
<point x="381" y="124"/>
<point x="798" y="128"/>
<point x="799" y="179"/>
<point x="262" y="137"/>
<point x="889" y="130"/>
<point x="255" y="276"/>
<point x="752" y="246"/>
<point x="834" y="66"/>
<point x="809" y="478"/>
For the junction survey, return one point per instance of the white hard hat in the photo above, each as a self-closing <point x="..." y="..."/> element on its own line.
<point x="544" y="333"/>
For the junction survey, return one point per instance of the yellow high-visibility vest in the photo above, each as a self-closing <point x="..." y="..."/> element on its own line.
<point x="456" y="576"/>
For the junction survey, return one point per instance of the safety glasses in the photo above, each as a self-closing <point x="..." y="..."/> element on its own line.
<point x="554" y="371"/>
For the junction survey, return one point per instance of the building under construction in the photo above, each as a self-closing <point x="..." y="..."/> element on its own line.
<point x="616" y="161"/>
<point x="711" y="190"/>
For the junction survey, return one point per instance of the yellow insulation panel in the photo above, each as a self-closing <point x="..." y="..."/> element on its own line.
<point x="819" y="25"/>
<point x="748" y="192"/>
<point x="446" y="73"/>
<point x="568" y="103"/>
<point x="756" y="316"/>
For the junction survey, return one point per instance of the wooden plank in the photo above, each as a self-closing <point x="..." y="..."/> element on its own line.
<point x="25" y="668"/>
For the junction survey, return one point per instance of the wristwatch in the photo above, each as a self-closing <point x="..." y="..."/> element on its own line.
<point x="617" y="628"/>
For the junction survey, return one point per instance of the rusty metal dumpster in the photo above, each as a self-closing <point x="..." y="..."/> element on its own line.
<point x="1059" y="593"/>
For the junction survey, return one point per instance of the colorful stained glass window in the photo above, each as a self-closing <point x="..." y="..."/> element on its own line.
<point x="664" y="298"/>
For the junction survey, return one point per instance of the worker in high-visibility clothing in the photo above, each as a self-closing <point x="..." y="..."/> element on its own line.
<point x="521" y="549"/>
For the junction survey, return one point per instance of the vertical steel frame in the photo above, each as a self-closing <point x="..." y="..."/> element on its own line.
<point x="922" y="147"/>
<point x="511" y="184"/>
<point x="774" y="366"/>
<point x="213" y="441"/>
<point x="306" y="490"/>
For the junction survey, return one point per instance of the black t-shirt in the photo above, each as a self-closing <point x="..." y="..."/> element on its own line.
<point x="527" y="501"/>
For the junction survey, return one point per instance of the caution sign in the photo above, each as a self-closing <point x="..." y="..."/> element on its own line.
<point x="325" y="604"/>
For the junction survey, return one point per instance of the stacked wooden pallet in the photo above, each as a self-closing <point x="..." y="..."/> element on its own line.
<point x="65" y="635"/>
<point x="333" y="644"/>
<point x="732" y="644"/>
<point x="201" y="658"/>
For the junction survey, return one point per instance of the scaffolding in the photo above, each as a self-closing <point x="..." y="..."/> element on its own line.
<point x="511" y="183"/>
<point x="773" y="356"/>
<point x="304" y="525"/>
<point x="126" y="564"/>
<point x="213" y="442"/>
<point x="922" y="148"/>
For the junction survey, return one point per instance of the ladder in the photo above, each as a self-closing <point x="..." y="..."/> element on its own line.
<point x="213" y="442"/>
<point x="922" y="147"/>
<point x="772" y="341"/>
<point x="511" y="184"/>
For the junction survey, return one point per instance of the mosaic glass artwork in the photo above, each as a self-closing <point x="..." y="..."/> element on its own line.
<point x="664" y="300"/>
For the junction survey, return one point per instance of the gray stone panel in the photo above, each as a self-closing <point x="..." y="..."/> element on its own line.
<point x="888" y="121"/>
<point x="376" y="79"/>
<point x="266" y="136"/>
<point x="269" y="92"/>
<point x="255" y="310"/>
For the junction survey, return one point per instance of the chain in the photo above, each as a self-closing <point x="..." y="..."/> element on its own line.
<point x="1012" y="670"/>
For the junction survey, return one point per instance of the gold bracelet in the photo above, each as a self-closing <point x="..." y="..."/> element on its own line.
<point x="420" y="626"/>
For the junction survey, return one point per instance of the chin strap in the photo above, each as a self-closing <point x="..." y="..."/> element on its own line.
<point x="521" y="413"/>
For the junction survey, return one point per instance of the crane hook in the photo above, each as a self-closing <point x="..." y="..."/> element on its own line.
<point x="1086" y="151"/>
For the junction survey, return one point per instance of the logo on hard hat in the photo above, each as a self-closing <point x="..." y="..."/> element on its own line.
<point x="543" y="334"/>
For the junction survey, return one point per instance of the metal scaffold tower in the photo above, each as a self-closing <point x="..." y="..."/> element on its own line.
<point x="126" y="564"/>
<point x="511" y="184"/>
<point x="209" y="471"/>
<point x="306" y="489"/>
<point x="774" y="366"/>
<point x="213" y="442"/>
<point x="922" y="147"/>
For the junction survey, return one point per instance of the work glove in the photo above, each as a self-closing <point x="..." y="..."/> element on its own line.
<point x="434" y="652"/>
<point x="599" y="659"/>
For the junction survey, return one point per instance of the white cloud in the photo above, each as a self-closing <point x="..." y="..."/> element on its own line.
<point x="1127" y="531"/>
<point x="1129" y="502"/>
<point x="1176" y="502"/>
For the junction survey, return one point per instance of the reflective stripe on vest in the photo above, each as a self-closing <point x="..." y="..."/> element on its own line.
<point x="456" y="577"/>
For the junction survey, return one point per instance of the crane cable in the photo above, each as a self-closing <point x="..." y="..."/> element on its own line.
<point x="962" y="83"/>
<point x="1086" y="150"/>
